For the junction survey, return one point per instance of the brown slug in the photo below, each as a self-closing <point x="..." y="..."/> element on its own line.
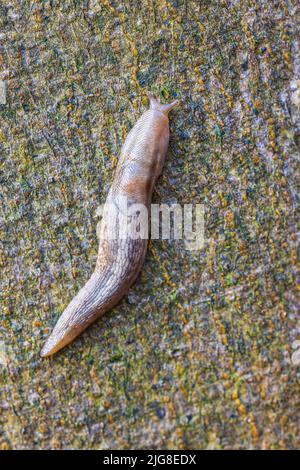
<point x="119" y="258"/>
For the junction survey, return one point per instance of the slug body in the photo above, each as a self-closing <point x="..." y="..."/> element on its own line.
<point x="119" y="259"/>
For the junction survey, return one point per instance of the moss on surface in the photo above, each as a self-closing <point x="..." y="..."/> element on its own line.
<point x="198" y="355"/>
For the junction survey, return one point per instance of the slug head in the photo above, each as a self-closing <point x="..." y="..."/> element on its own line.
<point x="158" y="106"/>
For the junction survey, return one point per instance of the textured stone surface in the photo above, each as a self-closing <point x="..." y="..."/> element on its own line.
<point x="199" y="353"/>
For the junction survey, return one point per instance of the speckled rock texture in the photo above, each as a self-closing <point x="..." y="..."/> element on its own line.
<point x="201" y="353"/>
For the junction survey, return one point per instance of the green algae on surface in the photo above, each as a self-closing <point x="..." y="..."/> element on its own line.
<point x="198" y="355"/>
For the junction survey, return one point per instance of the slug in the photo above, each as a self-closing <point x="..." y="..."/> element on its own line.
<point x="119" y="259"/>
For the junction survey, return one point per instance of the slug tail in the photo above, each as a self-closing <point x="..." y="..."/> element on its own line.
<point x="90" y="302"/>
<point x="51" y="347"/>
<point x="158" y="106"/>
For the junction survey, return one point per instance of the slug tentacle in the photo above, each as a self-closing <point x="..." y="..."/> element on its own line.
<point x="119" y="258"/>
<point x="163" y="108"/>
